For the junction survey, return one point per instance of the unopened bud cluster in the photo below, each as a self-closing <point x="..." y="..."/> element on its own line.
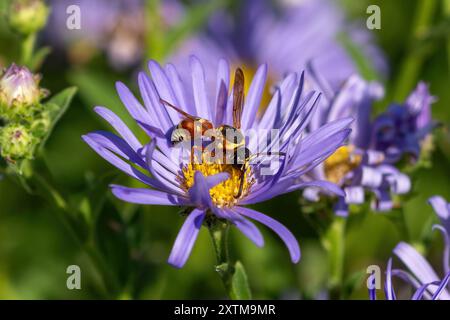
<point x="27" y="16"/>
<point x="23" y="116"/>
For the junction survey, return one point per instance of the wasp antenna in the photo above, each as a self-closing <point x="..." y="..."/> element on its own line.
<point x="167" y="103"/>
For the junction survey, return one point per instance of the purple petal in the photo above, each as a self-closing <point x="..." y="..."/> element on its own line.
<point x="167" y="180"/>
<point x="186" y="237"/>
<point x="199" y="192"/>
<point x="389" y="290"/>
<point x="446" y="254"/>
<point x="160" y="115"/>
<point x="371" y="177"/>
<point x="441" y="288"/>
<point x="136" y="110"/>
<point x="246" y="227"/>
<point x="163" y="88"/>
<point x="372" y="157"/>
<point x="116" y="161"/>
<point x="223" y="79"/>
<point x="441" y="207"/>
<point x="383" y="201"/>
<point x="285" y="235"/>
<point x="354" y="194"/>
<point x="147" y="196"/>
<point x="254" y="97"/>
<point x="320" y="81"/>
<point x="341" y="208"/>
<point x="199" y="89"/>
<point x="422" y="290"/>
<point x="119" y="126"/>
<point x="418" y="265"/>
<point x="117" y="145"/>
<point x="311" y="194"/>
<point x="321" y="143"/>
<point x="273" y="111"/>
<point x="179" y="89"/>
<point x="221" y="104"/>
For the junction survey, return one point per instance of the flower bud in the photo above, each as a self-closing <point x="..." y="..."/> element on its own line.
<point x="40" y="125"/>
<point x="19" y="92"/>
<point x="16" y="142"/>
<point x="27" y="16"/>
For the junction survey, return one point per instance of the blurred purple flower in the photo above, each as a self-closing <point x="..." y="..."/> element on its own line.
<point x="355" y="167"/>
<point x="421" y="274"/>
<point x="442" y="209"/>
<point x="114" y="26"/>
<point x="209" y="187"/>
<point x="402" y="128"/>
<point x="286" y="37"/>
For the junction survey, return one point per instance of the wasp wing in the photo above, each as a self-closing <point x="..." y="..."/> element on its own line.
<point x="238" y="97"/>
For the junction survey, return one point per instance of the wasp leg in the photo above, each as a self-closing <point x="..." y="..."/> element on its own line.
<point x="241" y="182"/>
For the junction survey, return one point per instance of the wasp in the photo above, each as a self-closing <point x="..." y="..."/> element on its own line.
<point x="188" y="127"/>
<point x="228" y="139"/>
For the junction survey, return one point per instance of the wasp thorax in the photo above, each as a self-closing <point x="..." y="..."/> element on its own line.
<point x="189" y="128"/>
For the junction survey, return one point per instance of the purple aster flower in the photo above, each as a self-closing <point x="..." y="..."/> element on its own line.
<point x="402" y="128"/>
<point x="209" y="188"/>
<point x="286" y="36"/>
<point x="355" y="167"/>
<point x="421" y="275"/>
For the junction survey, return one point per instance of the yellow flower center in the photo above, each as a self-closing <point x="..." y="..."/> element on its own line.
<point x="340" y="163"/>
<point x="225" y="193"/>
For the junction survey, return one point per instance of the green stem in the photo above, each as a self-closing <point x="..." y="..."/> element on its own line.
<point x="412" y="64"/>
<point x="219" y="235"/>
<point x="27" y="49"/>
<point x="233" y="275"/>
<point x="446" y="6"/>
<point x="63" y="212"/>
<point x="333" y="241"/>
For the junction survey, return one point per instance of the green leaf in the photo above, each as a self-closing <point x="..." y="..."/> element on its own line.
<point x="39" y="57"/>
<point x="239" y="288"/>
<point x="56" y="107"/>
<point x="97" y="89"/>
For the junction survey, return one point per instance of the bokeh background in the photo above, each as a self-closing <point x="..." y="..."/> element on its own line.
<point x="36" y="248"/>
